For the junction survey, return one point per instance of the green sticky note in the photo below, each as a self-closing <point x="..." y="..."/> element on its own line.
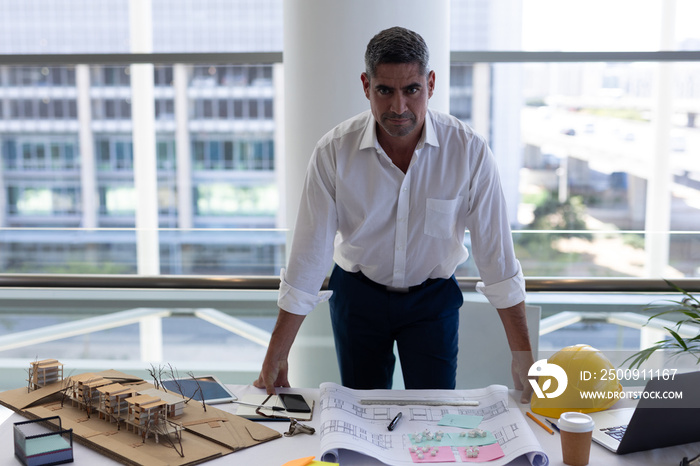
<point x="466" y="441"/>
<point x="461" y="420"/>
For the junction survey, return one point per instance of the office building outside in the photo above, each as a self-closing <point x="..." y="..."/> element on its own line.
<point x="67" y="193"/>
<point x="229" y="227"/>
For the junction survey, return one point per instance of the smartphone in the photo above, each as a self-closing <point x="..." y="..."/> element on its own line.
<point x="294" y="403"/>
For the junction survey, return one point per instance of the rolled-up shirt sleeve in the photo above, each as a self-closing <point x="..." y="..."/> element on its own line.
<point x="502" y="283"/>
<point x="506" y="293"/>
<point x="296" y="301"/>
<point x="314" y="233"/>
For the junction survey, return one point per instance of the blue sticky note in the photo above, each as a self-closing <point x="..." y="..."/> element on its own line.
<point x="461" y="420"/>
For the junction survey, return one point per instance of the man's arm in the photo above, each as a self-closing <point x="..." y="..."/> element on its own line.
<point x="515" y="325"/>
<point x="275" y="367"/>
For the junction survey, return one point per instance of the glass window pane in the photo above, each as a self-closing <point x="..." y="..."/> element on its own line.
<point x="110" y="109"/>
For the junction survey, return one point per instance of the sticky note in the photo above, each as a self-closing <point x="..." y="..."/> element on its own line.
<point x="300" y="461"/>
<point x="460" y="420"/>
<point x="308" y="461"/>
<point x="486" y="453"/>
<point x="444" y="455"/>
<point x="466" y="441"/>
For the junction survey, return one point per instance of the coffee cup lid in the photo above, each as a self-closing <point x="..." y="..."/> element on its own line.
<point x="575" y="422"/>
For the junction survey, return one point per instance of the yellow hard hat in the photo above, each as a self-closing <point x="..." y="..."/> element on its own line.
<point x="585" y="382"/>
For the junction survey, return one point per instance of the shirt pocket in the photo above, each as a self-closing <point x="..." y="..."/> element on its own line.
<point x="441" y="217"/>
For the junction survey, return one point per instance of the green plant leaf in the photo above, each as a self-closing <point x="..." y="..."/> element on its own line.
<point x="677" y="345"/>
<point x="678" y="338"/>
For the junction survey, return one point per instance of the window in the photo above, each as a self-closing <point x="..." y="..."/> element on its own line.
<point x="165" y="153"/>
<point x="165" y="109"/>
<point x="40" y="152"/>
<point x="163" y="75"/>
<point x="21" y="76"/>
<point x="544" y="122"/>
<point x="110" y="76"/>
<point x="117" y="200"/>
<point x="243" y="152"/>
<point x="219" y="199"/>
<point x="113" y="153"/>
<point x="27" y="200"/>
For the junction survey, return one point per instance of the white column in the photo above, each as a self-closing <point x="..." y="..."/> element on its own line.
<point x="182" y="149"/>
<point x="279" y="141"/>
<point x="563" y="177"/>
<point x="507" y="101"/>
<point x="144" y="141"/>
<point x="324" y="46"/>
<point x="481" y="99"/>
<point x="658" y="211"/>
<point x="145" y="168"/>
<point x="636" y="200"/>
<point x="3" y="188"/>
<point x="88" y="176"/>
<point x="3" y="200"/>
<point x="151" y="338"/>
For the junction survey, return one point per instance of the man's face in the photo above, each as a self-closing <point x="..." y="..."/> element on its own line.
<point x="398" y="95"/>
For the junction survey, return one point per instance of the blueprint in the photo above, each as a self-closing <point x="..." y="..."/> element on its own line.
<point x="358" y="419"/>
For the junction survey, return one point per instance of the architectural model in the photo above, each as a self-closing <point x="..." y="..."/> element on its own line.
<point x="130" y="420"/>
<point x="43" y="373"/>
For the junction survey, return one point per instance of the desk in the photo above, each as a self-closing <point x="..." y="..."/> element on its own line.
<point x="279" y="451"/>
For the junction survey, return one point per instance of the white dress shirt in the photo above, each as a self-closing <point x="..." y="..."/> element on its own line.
<point x="400" y="229"/>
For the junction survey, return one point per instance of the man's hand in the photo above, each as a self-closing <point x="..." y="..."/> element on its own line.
<point x="522" y="360"/>
<point x="515" y="325"/>
<point x="275" y="367"/>
<point x="273" y="374"/>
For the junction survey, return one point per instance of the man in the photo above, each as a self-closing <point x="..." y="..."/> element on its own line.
<point x="388" y="195"/>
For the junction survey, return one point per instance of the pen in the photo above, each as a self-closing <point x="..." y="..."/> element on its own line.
<point x="262" y="406"/>
<point x="554" y="426"/>
<point x="395" y="421"/>
<point x="540" y="423"/>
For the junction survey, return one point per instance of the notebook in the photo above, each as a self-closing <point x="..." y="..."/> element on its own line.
<point x="251" y="412"/>
<point x="656" y="422"/>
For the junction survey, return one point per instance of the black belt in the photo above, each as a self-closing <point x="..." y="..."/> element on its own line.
<point x="363" y="278"/>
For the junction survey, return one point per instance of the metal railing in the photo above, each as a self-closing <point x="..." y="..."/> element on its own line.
<point x="277" y="57"/>
<point x="467" y="284"/>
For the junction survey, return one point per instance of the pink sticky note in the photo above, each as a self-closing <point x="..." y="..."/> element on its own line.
<point x="486" y="453"/>
<point x="444" y="455"/>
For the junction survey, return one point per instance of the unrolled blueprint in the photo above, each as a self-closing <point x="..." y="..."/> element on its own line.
<point x="358" y="419"/>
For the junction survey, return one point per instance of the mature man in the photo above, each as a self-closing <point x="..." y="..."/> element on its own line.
<point x="388" y="196"/>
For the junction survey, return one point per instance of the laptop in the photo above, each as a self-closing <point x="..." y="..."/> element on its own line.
<point x="655" y="422"/>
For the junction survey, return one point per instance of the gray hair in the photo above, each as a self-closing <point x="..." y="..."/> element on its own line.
<point x="396" y="45"/>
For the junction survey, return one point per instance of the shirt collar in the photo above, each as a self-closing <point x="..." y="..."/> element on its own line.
<point x="369" y="138"/>
<point x="429" y="134"/>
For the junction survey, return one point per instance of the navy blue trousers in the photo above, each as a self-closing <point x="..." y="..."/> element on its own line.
<point x="367" y="319"/>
